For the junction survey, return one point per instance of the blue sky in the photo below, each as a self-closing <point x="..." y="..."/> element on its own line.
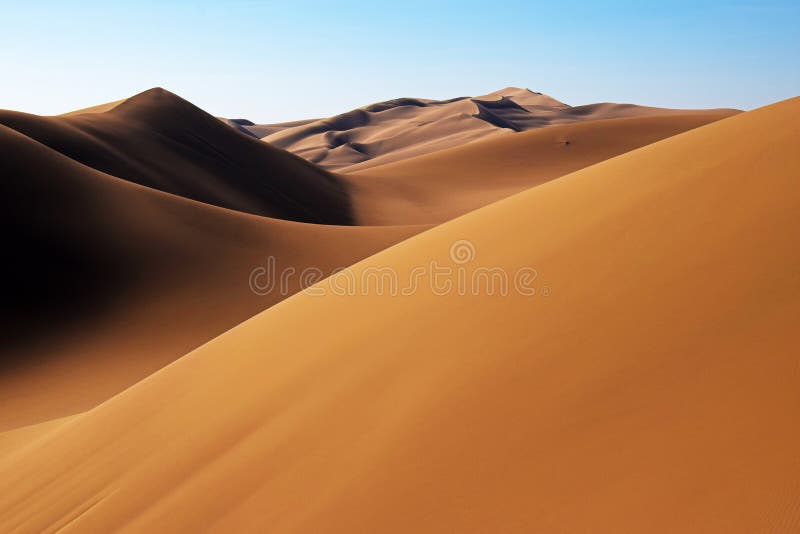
<point x="272" y="61"/>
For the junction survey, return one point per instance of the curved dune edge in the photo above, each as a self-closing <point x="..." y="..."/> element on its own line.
<point x="159" y="140"/>
<point x="654" y="390"/>
<point x="111" y="280"/>
<point x="442" y="185"/>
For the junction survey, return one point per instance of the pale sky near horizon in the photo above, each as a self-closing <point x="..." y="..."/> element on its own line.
<point x="275" y="61"/>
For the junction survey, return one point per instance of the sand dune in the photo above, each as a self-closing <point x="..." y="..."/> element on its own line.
<point x="407" y="127"/>
<point x="159" y="140"/>
<point x="438" y="187"/>
<point x="655" y="389"/>
<point x="141" y="280"/>
<point x="109" y="281"/>
<point x="384" y="132"/>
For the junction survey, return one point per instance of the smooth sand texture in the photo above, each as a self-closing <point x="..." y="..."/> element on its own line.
<point x="17" y="438"/>
<point x="656" y="388"/>
<point x="110" y="281"/>
<point x="407" y="127"/>
<point x="440" y="186"/>
<point x="160" y="140"/>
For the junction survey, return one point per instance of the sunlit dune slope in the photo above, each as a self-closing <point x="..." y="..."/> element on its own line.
<point x="159" y="140"/>
<point x="438" y="187"/>
<point x="650" y="385"/>
<point x="107" y="281"/>
<point x="16" y="438"/>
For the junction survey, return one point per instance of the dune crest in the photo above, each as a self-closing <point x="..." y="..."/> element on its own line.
<point x="655" y="388"/>
<point x="160" y="140"/>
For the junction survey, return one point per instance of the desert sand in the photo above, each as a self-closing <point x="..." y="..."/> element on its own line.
<point x="649" y="385"/>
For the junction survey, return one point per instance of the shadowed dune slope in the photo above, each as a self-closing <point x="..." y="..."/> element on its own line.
<point x="654" y="389"/>
<point x="107" y="281"/>
<point x="159" y="140"/>
<point x="407" y="127"/>
<point x="438" y="187"/>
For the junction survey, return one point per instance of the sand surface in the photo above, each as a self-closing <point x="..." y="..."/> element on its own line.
<point x="650" y="385"/>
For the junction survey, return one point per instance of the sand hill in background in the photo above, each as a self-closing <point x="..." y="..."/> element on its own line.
<point x="159" y="140"/>
<point x="407" y="127"/>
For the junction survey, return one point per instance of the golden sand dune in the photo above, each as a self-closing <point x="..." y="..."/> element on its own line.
<point x="116" y="282"/>
<point x="438" y="187"/>
<point x="110" y="281"/>
<point x="406" y="127"/>
<point x="159" y="140"/>
<point x="650" y="385"/>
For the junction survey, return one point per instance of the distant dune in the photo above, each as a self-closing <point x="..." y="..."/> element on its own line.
<point x="159" y="140"/>
<point x="407" y="127"/>
<point x="650" y="385"/>
<point x="440" y="186"/>
<point x="262" y="130"/>
<point x="110" y="281"/>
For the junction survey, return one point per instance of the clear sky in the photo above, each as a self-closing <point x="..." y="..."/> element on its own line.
<point x="281" y="60"/>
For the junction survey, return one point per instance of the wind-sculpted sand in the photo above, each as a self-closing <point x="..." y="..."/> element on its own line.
<point x="649" y="384"/>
